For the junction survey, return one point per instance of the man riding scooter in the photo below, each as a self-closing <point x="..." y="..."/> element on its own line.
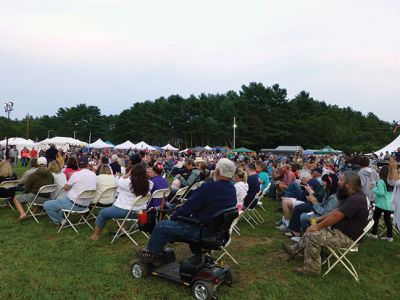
<point x="204" y="202"/>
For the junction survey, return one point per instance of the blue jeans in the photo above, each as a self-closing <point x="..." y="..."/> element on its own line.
<point x="170" y="232"/>
<point x="305" y="220"/>
<point x="292" y="191"/>
<point x="112" y="212"/>
<point x="53" y="209"/>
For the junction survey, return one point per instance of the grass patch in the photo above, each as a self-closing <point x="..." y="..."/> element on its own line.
<point x="38" y="263"/>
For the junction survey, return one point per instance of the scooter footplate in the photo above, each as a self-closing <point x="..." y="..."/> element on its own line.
<point x="170" y="271"/>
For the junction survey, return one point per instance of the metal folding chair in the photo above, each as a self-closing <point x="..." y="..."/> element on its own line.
<point x="340" y="254"/>
<point x="46" y="189"/>
<point x="105" y="199"/>
<point x="223" y="248"/>
<point x="140" y="200"/>
<point x="86" y="195"/>
<point x="8" y="185"/>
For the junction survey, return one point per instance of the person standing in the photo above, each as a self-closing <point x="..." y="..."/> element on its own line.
<point x="51" y="153"/>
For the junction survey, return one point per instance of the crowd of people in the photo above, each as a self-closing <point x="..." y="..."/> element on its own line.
<point x="324" y="200"/>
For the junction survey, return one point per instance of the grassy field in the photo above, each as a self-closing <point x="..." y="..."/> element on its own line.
<point x="38" y="263"/>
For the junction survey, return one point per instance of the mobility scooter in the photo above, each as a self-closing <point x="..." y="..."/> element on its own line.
<point x="199" y="271"/>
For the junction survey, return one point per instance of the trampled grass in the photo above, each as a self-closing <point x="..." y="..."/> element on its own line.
<point x="38" y="263"/>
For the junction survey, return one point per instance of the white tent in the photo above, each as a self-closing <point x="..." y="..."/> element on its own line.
<point x="16" y="141"/>
<point x="184" y="151"/>
<point x="392" y="147"/>
<point x="208" y="148"/>
<point x="143" y="146"/>
<point x="99" y="144"/>
<point x="169" y="148"/>
<point x="61" y="142"/>
<point x="125" y="146"/>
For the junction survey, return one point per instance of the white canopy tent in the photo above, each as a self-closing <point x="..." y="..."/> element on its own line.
<point x="16" y="141"/>
<point x="125" y="146"/>
<point x="99" y="144"/>
<point x="392" y="147"/>
<point x="143" y="146"/>
<point x="169" y="148"/>
<point x="208" y="148"/>
<point x="61" y="142"/>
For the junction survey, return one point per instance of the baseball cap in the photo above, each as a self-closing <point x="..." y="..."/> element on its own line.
<point x="42" y="161"/>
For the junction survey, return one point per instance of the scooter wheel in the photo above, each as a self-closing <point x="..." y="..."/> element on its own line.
<point x="139" y="269"/>
<point x="202" y="290"/>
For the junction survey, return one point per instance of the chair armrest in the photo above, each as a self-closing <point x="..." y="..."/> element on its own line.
<point x="190" y="221"/>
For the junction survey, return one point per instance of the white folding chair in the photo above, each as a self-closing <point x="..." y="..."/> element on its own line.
<point x="264" y="192"/>
<point x="8" y="185"/>
<point x="160" y="194"/>
<point x="84" y="195"/>
<point x="105" y="199"/>
<point x="46" y="189"/>
<point x="340" y="254"/>
<point x="179" y="195"/>
<point x="223" y="248"/>
<point x="139" y="201"/>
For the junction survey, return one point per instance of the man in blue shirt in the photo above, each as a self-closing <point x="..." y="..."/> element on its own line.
<point x="254" y="186"/>
<point x="204" y="202"/>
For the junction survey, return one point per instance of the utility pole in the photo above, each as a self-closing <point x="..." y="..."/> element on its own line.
<point x="27" y="126"/>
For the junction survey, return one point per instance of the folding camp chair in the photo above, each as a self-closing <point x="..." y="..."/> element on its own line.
<point x="223" y="248"/>
<point x="46" y="189"/>
<point x="140" y="200"/>
<point x="340" y="254"/>
<point x="85" y="195"/>
<point x="8" y="185"/>
<point x="105" y="199"/>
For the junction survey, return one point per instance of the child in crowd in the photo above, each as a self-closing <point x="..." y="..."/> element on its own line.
<point x="241" y="187"/>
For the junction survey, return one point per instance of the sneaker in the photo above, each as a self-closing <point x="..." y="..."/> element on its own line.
<point x="296" y="239"/>
<point x="372" y="236"/>
<point x="282" y="227"/>
<point x="385" y="238"/>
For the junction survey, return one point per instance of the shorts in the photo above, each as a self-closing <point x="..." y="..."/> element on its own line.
<point x="28" y="198"/>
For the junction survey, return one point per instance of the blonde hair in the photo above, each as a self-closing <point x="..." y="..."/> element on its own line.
<point x="5" y="169"/>
<point x="105" y="169"/>
<point x="241" y="175"/>
<point x="54" y="167"/>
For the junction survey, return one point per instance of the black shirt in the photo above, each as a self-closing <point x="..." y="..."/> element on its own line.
<point x="115" y="167"/>
<point x="355" y="210"/>
<point x="51" y="154"/>
<point x="6" y="193"/>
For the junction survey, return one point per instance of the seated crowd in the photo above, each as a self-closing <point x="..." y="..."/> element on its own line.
<point x="322" y="204"/>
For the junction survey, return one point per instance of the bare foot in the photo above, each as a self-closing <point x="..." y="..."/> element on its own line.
<point x="94" y="237"/>
<point x="23" y="217"/>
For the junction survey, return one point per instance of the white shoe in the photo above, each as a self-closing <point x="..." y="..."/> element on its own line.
<point x="295" y="239"/>
<point x="372" y="236"/>
<point x="385" y="238"/>
<point x="282" y="227"/>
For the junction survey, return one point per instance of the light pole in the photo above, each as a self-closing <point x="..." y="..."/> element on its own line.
<point x="234" y="132"/>
<point x="48" y="132"/>
<point x="8" y="107"/>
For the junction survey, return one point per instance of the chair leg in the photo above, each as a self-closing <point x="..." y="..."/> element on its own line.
<point x="227" y="253"/>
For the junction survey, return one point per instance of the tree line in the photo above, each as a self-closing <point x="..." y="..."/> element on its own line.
<point x="265" y="118"/>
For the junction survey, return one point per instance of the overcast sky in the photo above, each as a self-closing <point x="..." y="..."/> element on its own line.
<point x="113" y="53"/>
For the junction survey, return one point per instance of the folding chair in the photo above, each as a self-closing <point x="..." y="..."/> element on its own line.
<point x="46" y="189"/>
<point x="192" y="188"/>
<point x="264" y="192"/>
<point x="246" y="215"/>
<point x="106" y="198"/>
<point x="179" y="195"/>
<point x="223" y="248"/>
<point x="160" y="194"/>
<point x="86" y="195"/>
<point x="140" y="200"/>
<point x="8" y="185"/>
<point x="340" y="254"/>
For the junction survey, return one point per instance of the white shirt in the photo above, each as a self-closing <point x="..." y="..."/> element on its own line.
<point x="81" y="181"/>
<point x="126" y="197"/>
<point x="59" y="180"/>
<point x="241" y="190"/>
<point x="104" y="181"/>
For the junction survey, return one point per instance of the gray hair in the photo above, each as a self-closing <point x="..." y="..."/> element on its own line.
<point x="354" y="179"/>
